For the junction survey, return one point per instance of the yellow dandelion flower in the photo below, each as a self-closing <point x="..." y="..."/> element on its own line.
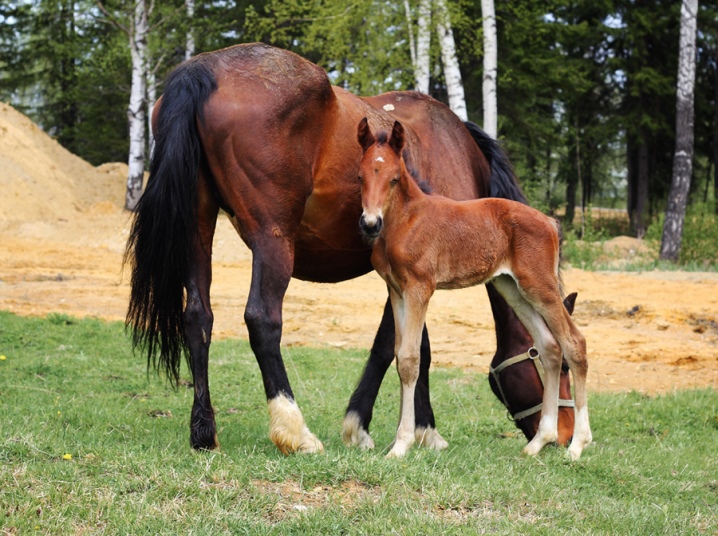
<point x="67" y="456"/>
<point x="3" y="358"/>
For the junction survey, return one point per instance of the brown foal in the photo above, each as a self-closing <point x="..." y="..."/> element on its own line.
<point x="423" y="242"/>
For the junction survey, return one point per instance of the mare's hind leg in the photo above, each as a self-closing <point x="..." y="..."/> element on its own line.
<point x="359" y="413"/>
<point x="550" y="355"/>
<point x="272" y="262"/>
<point x="198" y="320"/>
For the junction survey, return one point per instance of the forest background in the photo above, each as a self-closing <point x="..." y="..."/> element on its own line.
<point x="586" y="89"/>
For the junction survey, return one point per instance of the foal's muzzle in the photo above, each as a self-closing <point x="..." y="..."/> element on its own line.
<point x="370" y="225"/>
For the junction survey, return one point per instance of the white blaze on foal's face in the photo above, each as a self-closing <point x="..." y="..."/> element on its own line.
<point x="379" y="172"/>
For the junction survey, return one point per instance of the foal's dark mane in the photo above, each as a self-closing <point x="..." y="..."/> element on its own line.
<point x="382" y="138"/>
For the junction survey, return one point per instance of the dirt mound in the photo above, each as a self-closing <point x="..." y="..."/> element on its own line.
<point x="43" y="181"/>
<point x="63" y="232"/>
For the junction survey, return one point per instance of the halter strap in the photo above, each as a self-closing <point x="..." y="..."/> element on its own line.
<point x="533" y="355"/>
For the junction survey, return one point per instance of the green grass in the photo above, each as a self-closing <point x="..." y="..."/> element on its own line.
<point x="699" y="247"/>
<point x="72" y="387"/>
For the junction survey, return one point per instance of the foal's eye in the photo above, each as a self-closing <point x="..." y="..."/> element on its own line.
<point x="360" y="179"/>
<point x="393" y="182"/>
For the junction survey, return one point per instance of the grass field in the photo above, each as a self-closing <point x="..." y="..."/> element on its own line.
<point x="90" y="443"/>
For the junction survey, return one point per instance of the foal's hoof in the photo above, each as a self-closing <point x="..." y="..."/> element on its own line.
<point x="353" y="434"/>
<point x="430" y="437"/>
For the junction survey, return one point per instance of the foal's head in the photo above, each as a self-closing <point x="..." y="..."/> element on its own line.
<point x="380" y="171"/>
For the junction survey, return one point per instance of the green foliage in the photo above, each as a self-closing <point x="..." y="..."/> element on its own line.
<point x="91" y="444"/>
<point x="363" y="45"/>
<point x="699" y="247"/>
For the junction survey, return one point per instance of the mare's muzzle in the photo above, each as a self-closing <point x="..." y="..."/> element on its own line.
<point x="370" y="225"/>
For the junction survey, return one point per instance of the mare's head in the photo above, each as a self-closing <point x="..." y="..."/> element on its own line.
<point x="380" y="171"/>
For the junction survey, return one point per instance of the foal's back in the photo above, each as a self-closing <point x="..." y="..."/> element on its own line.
<point x="466" y="243"/>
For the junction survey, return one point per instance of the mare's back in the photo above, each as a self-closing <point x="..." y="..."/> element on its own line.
<point x="440" y="147"/>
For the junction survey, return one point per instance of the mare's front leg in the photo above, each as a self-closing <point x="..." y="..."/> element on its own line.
<point x="359" y="413"/>
<point x="272" y="264"/>
<point x="198" y="320"/>
<point x="409" y="315"/>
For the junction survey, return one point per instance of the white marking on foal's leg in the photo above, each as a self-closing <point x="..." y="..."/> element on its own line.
<point x="582" y="436"/>
<point x="287" y="428"/>
<point x="430" y="437"/>
<point x="353" y="434"/>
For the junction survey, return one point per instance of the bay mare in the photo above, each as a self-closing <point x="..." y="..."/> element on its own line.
<point x="260" y="133"/>
<point x="426" y="242"/>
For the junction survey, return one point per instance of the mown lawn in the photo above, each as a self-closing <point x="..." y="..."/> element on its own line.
<point x="90" y="443"/>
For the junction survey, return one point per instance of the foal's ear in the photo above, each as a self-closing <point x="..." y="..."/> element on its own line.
<point x="364" y="135"/>
<point x="397" y="138"/>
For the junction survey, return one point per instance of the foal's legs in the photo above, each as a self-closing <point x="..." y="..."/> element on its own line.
<point x="573" y="345"/>
<point x="550" y="355"/>
<point x="198" y="320"/>
<point x="359" y="412"/>
<point x="409" y="316"/>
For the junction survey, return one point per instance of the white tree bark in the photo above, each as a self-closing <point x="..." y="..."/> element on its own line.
<point x="410" y="28"/>
<point x="136" y="109"/>
<point x="423" y="42"/>
<point x="490" y="68"/>
<point x="452" y="74"/>
<point x="683" y="157"/>
<point x="151" y="99"/>
<point x="189" y="45"/>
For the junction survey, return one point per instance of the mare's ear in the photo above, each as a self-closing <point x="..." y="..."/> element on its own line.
<point x="396" y="141"/>
<point x="364" y="135"/>
<point x="570" y="302"/>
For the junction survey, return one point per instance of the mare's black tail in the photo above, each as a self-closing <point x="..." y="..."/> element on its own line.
<point x="503" y="180"/>
<point x="159" y="245"/>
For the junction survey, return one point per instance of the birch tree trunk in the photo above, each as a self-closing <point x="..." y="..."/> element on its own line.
<point x="452" y="74"/>
<point x="151" y="99"/>
<point x="423" y="43"/>
<point x="410" y="28"/>
<point x="189" y="44"/>
<point x="683" y="157"/>
<point x="490" y="68"/>
<point x="136" y="110"/>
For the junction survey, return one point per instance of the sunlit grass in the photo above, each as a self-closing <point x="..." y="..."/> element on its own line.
<point x="90" y="443"/>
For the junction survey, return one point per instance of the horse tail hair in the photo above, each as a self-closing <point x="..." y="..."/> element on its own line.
<point x="159" y="247"/>
<point x="503" y="182"/>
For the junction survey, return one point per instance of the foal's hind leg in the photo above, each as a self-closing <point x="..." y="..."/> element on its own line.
<point x="550" y="355"/>
<point x="573" y="348"/>
<point x="198" y="320"/>
<point x="355" y="430"/>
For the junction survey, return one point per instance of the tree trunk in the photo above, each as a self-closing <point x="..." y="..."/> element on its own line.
<point x="151" y="99"/>
<point x="715" y="130"/>
<point x="189" y="45"/>
<point x="683" y="157"/>
<point x="423" y="42"/>
<point x="452" y="73"/>
<point x="490" y="68"/>
<point x="410" y="32"/>
<point x="136" y="110"/>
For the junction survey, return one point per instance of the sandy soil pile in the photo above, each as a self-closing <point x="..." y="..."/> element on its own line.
<point x="63" y="231"/>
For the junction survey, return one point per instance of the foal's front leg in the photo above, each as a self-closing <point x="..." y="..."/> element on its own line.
<point x="409" y="315"/>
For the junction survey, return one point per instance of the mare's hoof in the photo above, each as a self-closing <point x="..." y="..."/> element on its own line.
<point x="353" y="434"/>
<point x="204" y="444"/>
<point x="430" y="437"/>
<point x="287" y="428"/>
